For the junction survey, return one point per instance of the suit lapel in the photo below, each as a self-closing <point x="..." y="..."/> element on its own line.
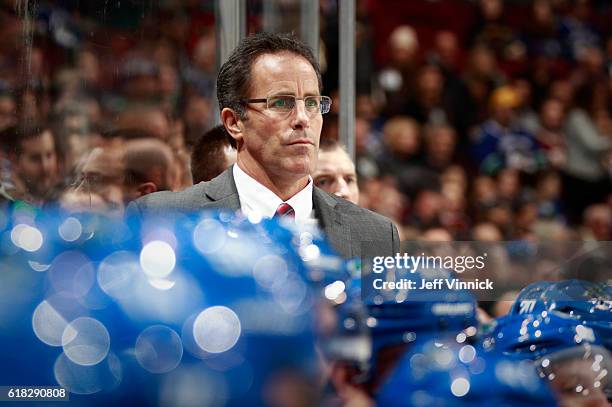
<point x="332" y="221"/>
<point x="221" y="192"/>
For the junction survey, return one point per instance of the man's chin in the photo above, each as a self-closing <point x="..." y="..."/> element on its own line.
<point x="300" y="168"/>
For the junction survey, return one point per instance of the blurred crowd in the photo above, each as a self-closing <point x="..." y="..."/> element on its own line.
<point x="496" y="126"/>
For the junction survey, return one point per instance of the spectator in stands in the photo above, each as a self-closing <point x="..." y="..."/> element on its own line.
<point x="403" y="157"/>
<point x="597" y="223"/>
<point x="34" y="161"/>
<point x="585" y="178"/>
<point x="440" y="143"/>
<point x="426" y="209"/>
<point x="486" y="232"/>
<point x="335" y="171"/>
<point x="501" y="142"/>
<point x="509" y="187"/>
<point x="550" y="135"/>
<point x="397" y="79"/>
<point x="8" y="109"/>
<point x="548" y="196"/>
<point x="577" y="31"/>
<point x="149" y="118"/>
<point x="541" y="34"/>
<point x="383" y="196"/>
<point x="139" y="76"/>
<point x="492" y="30"/>
<point x="481" y="77"/>
<point x="197" y="117"/>
<point x="211" y="155"/>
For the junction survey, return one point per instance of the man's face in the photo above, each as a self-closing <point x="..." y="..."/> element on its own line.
<point x="280" y="146"/>
<point x="102" y="177"/>
<point x="335" y="174"/>
<point x="37" y="163"/>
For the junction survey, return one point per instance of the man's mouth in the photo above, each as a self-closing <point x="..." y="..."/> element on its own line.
<point x="303" y="141"/>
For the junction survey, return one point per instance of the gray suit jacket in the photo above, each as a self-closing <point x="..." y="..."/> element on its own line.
<point x="351" y="230"/>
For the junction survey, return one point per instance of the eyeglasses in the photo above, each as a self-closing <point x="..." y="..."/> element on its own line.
<point x="284" y="104"/>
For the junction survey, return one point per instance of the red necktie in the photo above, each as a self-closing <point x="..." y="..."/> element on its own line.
<point x="284" y="211"/>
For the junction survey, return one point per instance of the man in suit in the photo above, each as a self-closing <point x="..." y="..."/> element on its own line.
<point x="271" y="106"/>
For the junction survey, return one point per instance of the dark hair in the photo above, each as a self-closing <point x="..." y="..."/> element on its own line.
<point x="207" y="158"/>
<point x="12" y="137"/>
<point x="234" y="79"/>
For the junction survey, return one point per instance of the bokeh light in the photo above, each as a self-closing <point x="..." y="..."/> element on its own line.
<point x="72" y="274"/>
<point x="36" y="266"/>
<point x="71" y="229"/>
<point x="460" y="386"/>
<point x="79" y="379"/>
<point x="86" y="341"/>
<point x="27" y="237"/>
<point x="48" y="324"/>
<point x="216" y="329"/>
<point x="117" y="273"/>
<point x="157" y="259"/>
<point x="158" y="349"/>
<point x="209" y="236"/>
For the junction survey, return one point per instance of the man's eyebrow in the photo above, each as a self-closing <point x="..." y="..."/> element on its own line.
<point x="282" y="91"/>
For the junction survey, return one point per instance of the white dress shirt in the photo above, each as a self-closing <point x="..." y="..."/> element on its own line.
<point x="257" y="201"/>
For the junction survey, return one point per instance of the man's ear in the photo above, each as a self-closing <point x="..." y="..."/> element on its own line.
<point x="146" y="188"/>
<point x="231" y="121"/>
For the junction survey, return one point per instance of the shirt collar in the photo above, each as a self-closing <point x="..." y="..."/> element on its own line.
<point x="258" y="201"/>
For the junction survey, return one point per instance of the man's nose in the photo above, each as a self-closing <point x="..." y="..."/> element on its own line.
<point x="300" y="120"/>
<point x="47" y="165"/>
<point x="342" y="189"/>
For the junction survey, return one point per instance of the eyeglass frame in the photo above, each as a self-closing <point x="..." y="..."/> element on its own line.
<point x="265" y="100"/>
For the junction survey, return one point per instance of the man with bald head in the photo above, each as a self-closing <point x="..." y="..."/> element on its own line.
<point x="269" y="93"/>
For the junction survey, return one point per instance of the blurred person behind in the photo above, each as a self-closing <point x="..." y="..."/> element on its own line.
<point x="396" y="79"/>
<point x="550" y="134"/>
<point x="542" y="32"/>
<point x="481" y="76"/>
<point x="548" y="196"/>
<point x="149" y="118"/>
<point x="585" y="179"/>
<point x="197" y="116"/>
<point x="426" y="209"/>
<point x="211" y="155"/>
<point x="403" y="156"/>
<point x="597" y="223"/>
<point x="139" y="79"/>
<point x="122" y="170"/>
<point x="440" y="144"/>
<point x="148" y="168"/>
<point x="436" y="102"/>
<point x="8" y="108"/>
<point x="501" y="142"/>
<point x="335" y="171"/>
<point x="577" y="31"/>
<point x="34" y="161"/>
<point x="492" y="29"/>
<point x="99" y="186"/>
